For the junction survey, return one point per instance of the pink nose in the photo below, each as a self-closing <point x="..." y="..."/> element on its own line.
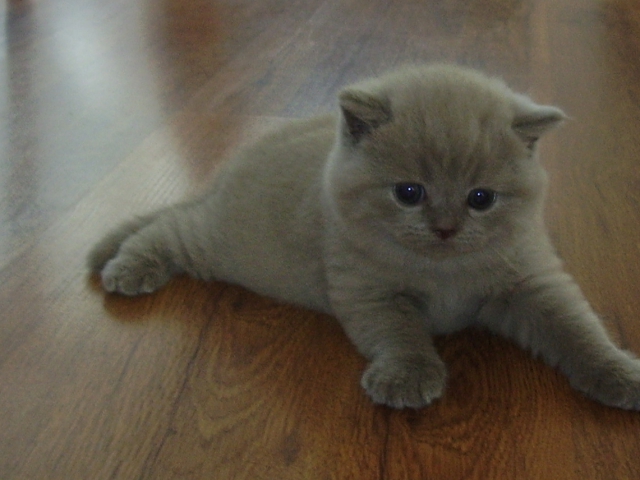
<point x="443" y="234"/>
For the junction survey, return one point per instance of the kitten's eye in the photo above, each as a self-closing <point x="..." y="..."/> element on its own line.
<point x="409" y="193"/>
<point x="481" y="198"/>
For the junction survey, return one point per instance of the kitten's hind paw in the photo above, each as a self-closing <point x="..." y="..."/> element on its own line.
<point x="402" y="382"/>
<point x="134" y="275"/>
<point x="616" y="383"/>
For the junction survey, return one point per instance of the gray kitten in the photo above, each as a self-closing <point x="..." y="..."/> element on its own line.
<point x="416" y="211"/>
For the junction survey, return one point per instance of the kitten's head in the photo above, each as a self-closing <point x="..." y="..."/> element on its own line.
<point x="440" y="159"/>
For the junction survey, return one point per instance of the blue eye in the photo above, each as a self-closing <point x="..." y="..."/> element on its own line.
<point x="409" y="193"/>
<point x="481" y="198"/>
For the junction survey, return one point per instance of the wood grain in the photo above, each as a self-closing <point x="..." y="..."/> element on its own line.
<point x="113" y="108"/>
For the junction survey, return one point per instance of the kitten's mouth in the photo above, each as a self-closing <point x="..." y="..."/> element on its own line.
<point x="438" y="248"/>
<point x="444" y="247"/>
<point x="450" y="246"/>
<point x="447" y="243"/>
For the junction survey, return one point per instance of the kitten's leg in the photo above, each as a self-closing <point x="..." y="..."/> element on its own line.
<point x="405" y="369"/>
<point x="142" y="255"/>
<point x="549" y="314"/>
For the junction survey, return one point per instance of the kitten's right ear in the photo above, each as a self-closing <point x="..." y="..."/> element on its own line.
<point x="363" y="112"/>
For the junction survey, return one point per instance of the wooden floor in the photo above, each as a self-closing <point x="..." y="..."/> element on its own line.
<point x="110" y="108"/>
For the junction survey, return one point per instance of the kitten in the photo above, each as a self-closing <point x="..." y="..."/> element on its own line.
<point x="416" y="211"/>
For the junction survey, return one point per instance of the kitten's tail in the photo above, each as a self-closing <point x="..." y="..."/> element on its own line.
<point x="108" y="247"/>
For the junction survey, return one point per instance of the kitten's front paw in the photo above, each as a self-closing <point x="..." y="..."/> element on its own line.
<point x="616" y="383"/>
<point x="134" y="275"/>
<point x="402" y="382"/>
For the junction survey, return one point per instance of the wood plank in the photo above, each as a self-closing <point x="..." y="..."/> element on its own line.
<point x="112" y="109"/>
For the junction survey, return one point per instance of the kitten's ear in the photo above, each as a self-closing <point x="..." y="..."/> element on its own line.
<point x="532" y="120"/>
<point x="363" y="112"/>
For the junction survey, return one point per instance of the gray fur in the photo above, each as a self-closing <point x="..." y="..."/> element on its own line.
<point x="308" y="215"/>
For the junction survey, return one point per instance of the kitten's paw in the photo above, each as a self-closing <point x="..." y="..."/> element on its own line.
<point x="402" y="382"/>
<point x="134" y="275"/>
<point x="616" y="383"/>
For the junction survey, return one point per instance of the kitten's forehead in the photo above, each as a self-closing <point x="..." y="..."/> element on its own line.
<point x="457" y="114"/>
<point x="449" y="126"/>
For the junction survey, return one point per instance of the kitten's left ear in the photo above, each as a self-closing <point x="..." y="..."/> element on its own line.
<point x="532" y="121"/>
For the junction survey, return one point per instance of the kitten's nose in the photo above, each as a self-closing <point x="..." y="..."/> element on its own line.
<point x="444" y="233"/>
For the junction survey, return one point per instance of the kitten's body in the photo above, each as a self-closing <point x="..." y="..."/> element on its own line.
<point x="327" y="213"/>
